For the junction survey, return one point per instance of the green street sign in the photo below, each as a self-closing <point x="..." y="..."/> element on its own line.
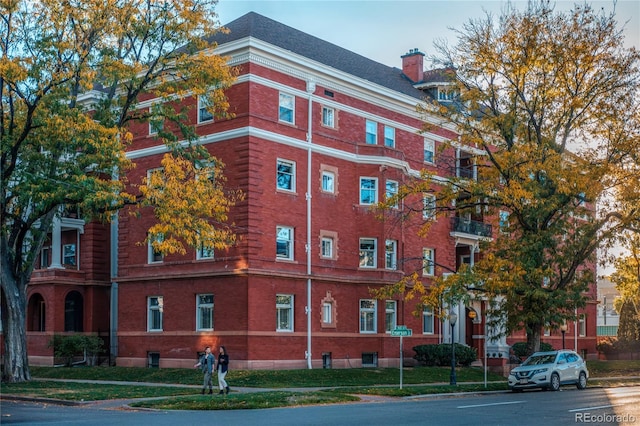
<point x="401" y="331"/>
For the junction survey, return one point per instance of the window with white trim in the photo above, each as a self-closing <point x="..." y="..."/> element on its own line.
<point x="204" y="106"/>
<point x="286" y="107"/>
<point x="368" y="316"/>
<point x="326" y="247"/>
<point x="429" y="150"/>
<point x="204" y="312"/>
<point x="428" y="261"/>
<point x="284" y="242"/>
<point x="284" y="312"/>
<point x="286" y="175"/>
<point x="391" y="191"/>
<point x="389" y="137"/>
<point x="582" y="325"/>
<point x="69" y="254"/>
<point x="368" y="190"/>
<point x="204" y="252"/>
<point x="429" y="207"/>
<point x="503" y="218"/>
<point x="390" y="315"/>
<point x="391" y="254"/>
<point x="367" y="253"/>
<point x="328" y="181"/>
<point x="328" y="117"/>
<point x="154" y="255"/>
<point x="371" y="132"/>
<point x="327" y="313"/>
<point x="427" y="320"/>
<point x="155" y="309"/>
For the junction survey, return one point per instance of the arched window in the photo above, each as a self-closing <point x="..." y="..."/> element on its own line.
<point x="36" y="313"/>
<point x="73" y="312"/>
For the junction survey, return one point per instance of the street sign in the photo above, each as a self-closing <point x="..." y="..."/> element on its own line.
<point x="401" y="331"/>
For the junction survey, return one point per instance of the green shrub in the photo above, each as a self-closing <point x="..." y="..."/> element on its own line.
<point x="520" y="348"/>
<point x="440" y="355"/>
<point x="69" y="346"/>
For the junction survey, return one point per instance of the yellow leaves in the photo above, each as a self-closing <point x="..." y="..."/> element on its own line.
<point x="12" y="70"/>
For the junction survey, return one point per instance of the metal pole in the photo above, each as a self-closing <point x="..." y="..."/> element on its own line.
<point x="401" y="361"/>
<point x="452" y="379"/>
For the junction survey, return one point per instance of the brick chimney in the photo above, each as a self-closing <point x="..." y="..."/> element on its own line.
<point x="413" y="65"/>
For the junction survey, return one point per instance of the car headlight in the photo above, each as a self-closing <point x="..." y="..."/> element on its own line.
<point x="541" y="370"/>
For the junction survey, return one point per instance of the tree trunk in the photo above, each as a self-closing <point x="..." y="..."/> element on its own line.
<point x="14" y="306"/>
<point x="533" y="338"/>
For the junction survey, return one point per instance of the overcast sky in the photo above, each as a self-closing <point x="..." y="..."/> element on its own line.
<point x="384" y="30"/>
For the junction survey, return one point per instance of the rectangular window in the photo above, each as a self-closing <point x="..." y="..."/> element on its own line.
<point x="155" y="256"/>
<point x="391" y="254"/>
<point x="156" y="126"/>
<point x="327" y="247"/>
<point x="328" y="115"/>
<point x="371" y="130"/>
<point x="428" y="261"/>
<point x="204" y="106"/>
<point x="368" y="191"/>
<point x="389" y="136"/>
<point x="155" y="307"/>
<point x="204" y="312"/>
<point x="284" y="312"/>
<point x="285" y="175"/>
<point x="368" y="252"/>
<point x="327" y="313"/>
<point x="429" y="150"/>
<point x="284" y="243"/>
<point x="582" y="326"/>
<point x="391" y="191"/>
<point x="368" y="316"/>
<point x="204" y="252"/>
<point x="286" y="107"/>
<point x="328" y="181"/>
<point x="429" y="209"/>
<point x="504" y="221"/>
<point x="44" y="257"/>
<point x="390" y="315"/>
<point x="69" y="254"/>
<point x="427" y="320"/>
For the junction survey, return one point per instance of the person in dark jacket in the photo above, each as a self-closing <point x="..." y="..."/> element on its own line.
<point x="206" y="365"/>
<point x="222" y="367"/>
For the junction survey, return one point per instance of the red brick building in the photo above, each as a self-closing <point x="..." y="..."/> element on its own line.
<point x="319" y="135"/>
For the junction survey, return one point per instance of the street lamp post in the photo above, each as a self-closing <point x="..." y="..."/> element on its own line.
<point x="563" y="329"/>
<point x="452" y="320"/>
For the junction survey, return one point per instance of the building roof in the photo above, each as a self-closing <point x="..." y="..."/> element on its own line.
<point x="260" y="27"/>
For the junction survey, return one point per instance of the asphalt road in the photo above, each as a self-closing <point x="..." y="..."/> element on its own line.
<point x="602" y="406"/>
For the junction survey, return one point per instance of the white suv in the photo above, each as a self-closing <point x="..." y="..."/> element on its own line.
<point x="549" y="370"/>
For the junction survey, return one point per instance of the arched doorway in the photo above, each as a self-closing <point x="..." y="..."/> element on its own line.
<point x="73" y="312"/>
<point x="36" y="313"/>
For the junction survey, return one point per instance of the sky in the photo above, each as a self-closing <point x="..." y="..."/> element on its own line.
<point x="384" y="30"/>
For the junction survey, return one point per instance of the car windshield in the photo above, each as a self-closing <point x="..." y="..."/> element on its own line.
<point x="540" y="359"/>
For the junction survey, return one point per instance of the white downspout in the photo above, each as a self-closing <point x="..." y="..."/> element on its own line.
<point x="311" y="87"/>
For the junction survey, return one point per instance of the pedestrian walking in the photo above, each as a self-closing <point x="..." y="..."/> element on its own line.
<point x="222" y="367"/>
<point x="206" y="364"/>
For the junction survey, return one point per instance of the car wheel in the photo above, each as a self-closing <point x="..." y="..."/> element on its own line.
<point x="582" y="381"/>
<point x="554" y="384"/>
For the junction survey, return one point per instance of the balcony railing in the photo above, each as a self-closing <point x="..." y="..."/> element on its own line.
<point x="473" y="227"/>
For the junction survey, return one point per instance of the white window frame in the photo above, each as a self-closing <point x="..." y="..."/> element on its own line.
<point x="389" y="136"/>
<point x="155" y="126"/>
<point x="284" y="312"/>
<point x="371" y="260"/>
<point x="327" y="313"/>
<point x="201" y="307"/>
<point x="391" y="190"/>
<point x="429" y="207"/>
<point x="429" y="150"/>
<point x="582" y="325"/>
<point x="328" y="117"/>
<point x="291" y="174"/>
<point x="328" y="181"/>
<point x="204" y="252"/>
<point x="280" y="233"/>
<point x="327" y="247"/>
<point x="428" y="320"/>
<point x="374" y="191"/>
<point x="286" y="106"/>
<point x="204" y="116"/>
<point x="371" y="132"/>
<point x="390" y="315"/>
<point x="503" y="221"/>
<point x="391" y="254"/>
<point x="151" y="253"/>
<point x="367" y="320"/>
<point x="69" y="254"/>
<point x="155" y="309"/>
<point x="428" y="261"/>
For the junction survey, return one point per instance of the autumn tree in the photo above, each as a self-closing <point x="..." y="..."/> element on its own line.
<point x="73" y="74"/>
<point x="627" y="280"/>
<point x="547" y="103"/>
